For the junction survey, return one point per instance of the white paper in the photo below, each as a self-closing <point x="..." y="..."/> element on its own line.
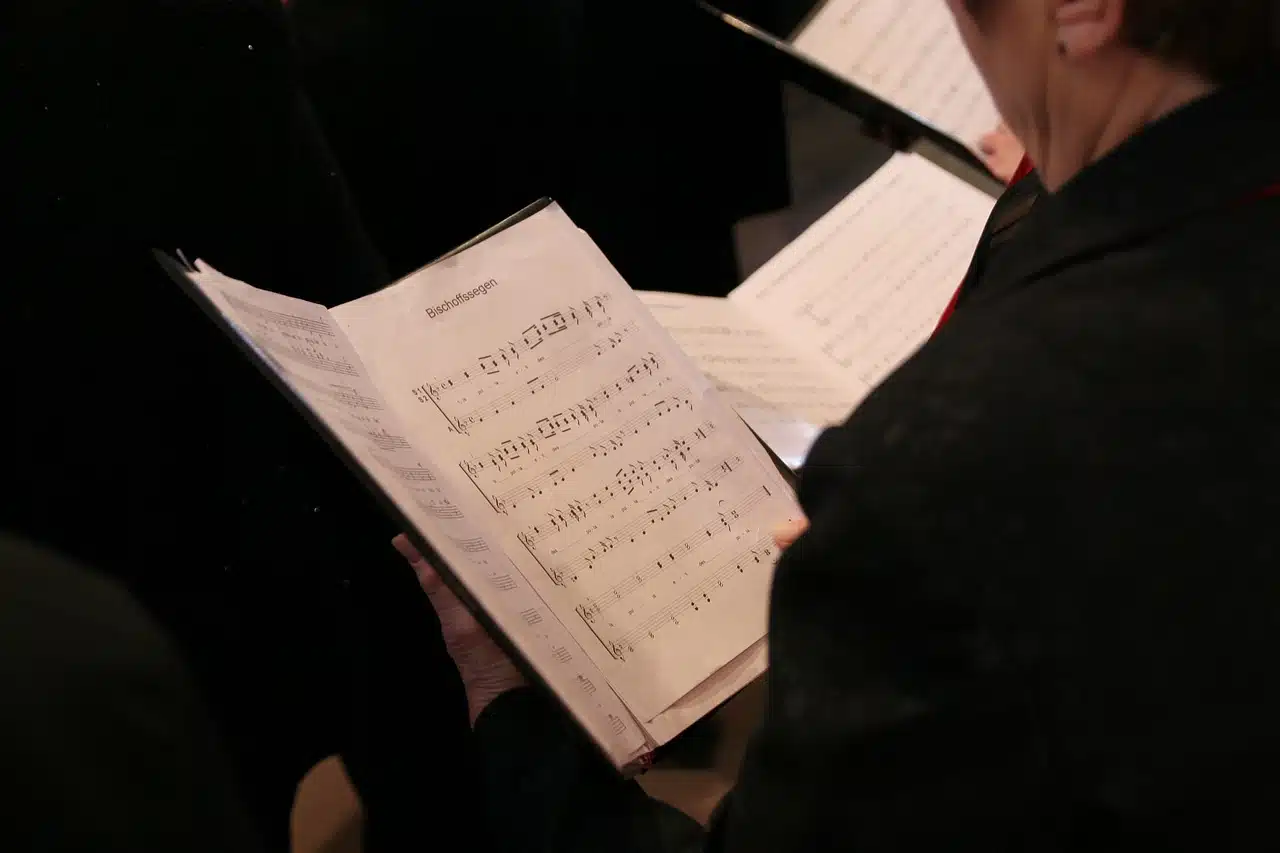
<point x="804" y="340"/>
<point x="866" y="285"/>
<point x="784" y="395"/>
<point x="303" y="344"/>
<point x="635" y="502"/>
<point x="908" y="53"/>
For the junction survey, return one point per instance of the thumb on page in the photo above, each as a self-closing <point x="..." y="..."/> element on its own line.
<point x="784" y="536"/>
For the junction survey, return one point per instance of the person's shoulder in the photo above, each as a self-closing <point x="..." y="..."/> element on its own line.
<point x="1099" y="356"/>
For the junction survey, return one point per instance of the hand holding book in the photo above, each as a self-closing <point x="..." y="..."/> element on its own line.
<point x="592" y="496"/>
<point x="485" y="669"/>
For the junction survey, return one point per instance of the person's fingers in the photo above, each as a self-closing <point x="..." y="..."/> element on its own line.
<point x="456" y="618"/>
<point x="402" y="544"/>
<point x="786" y="535"/>
<point x="428" y="578"/>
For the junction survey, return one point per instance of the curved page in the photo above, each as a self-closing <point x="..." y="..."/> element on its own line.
<point x="632" y="499"/>
<point x="303" y="344"/>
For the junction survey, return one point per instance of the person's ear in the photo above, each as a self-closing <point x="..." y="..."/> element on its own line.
<point x="1084" y="27"/>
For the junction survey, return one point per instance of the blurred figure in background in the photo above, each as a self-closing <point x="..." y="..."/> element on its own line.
<point x="104" y="739"/>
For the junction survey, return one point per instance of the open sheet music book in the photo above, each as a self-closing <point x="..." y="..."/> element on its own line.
<point x="574" y="476"/>
<point x="812" y="332"/>
<point x="908" y="53"/>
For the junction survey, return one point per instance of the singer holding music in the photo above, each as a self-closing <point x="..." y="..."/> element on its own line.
<point x="1037" y="605"/>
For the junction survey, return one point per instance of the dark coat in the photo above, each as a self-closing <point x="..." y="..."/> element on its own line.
<point x="137" y="439"/>
<point x="1039" y="603"/>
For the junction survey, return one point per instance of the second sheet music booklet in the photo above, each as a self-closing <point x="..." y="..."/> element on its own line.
<point x="567" y="468"/>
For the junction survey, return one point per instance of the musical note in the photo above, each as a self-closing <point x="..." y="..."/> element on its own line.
<point x="760" y="556"/>
<point x="581" y="415"/>
<point x="379" y="437"/>
<point x="866" y="285"/>
<point x="355" y="411"/>
<point x="415" y="473"/>
<point x="593" y="435"/>
<point x="443" y="509"/>
<point x="506" y="357"/>
<point x="543" y="381"/>
<point x="345" y="396"/>
<point x="472" y="545"/>
<point x="504" y="582"/>
<point x="638" y="578"/>
<point x="625" y="482"/>
<point x="908" y="53"/>
<point x="541" y="484"/>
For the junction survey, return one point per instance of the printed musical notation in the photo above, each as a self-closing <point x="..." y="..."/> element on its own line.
<point x="341" y="395"/>
<point x="584" y="414"/>
<point x="373" y="432"/>
<point x="725" y="521"/>
<point x="864" y="287"/>
<point x="761" y="553"/>
<point x="593" y="312"/>
<point x="416" y="473"/>
<point x="470" y="545"/>
<point x="601" y="434"/>
<point x="531" y="387"/>
<point x="626" y="481"/>
<point x="908" y="53"/>
<point x="443" y="509"/>
<point x="541" y="484"/>
<point x="503" y="582"/>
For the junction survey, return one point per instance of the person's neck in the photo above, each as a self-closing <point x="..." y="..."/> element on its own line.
<point x="1148" y="95"/>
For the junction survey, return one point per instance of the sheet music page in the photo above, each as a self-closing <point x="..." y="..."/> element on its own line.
<point x="635" y="502"/>
<point x="304" y="345"/>
<point x="909" y="54"/>
<point x="866" y="285"/>
<point x="782" y="393"/>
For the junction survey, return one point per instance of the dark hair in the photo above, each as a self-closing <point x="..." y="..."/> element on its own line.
<point x="1225" y="40"/>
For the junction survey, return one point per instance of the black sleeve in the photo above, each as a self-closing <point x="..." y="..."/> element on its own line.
<point x="103" y="739"/>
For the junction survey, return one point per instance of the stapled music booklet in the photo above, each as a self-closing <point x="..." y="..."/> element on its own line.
<point x="799" y="345"/>
<point x="575" y="477"/>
